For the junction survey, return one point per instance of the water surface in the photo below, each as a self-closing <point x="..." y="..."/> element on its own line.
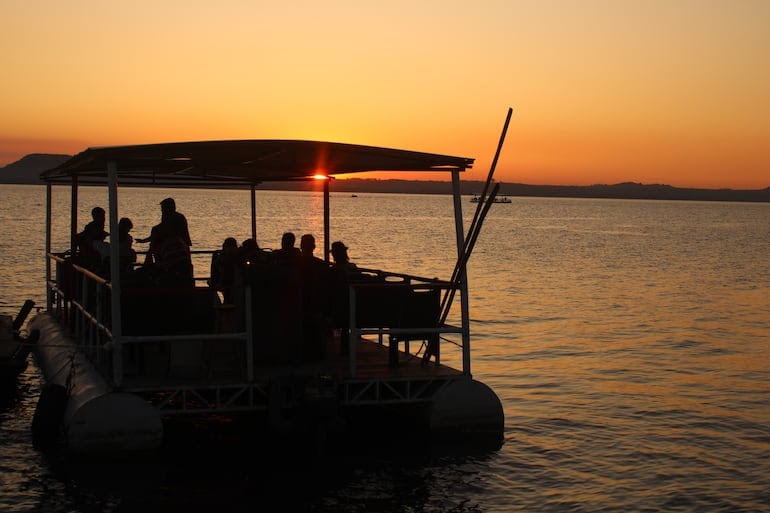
<point x="628" y="340"/>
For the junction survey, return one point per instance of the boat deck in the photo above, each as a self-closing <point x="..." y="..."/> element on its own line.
<point x="218" y="382"/>
<point x="372" y="362"/>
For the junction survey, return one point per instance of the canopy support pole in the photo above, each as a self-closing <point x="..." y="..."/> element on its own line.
<point x="48" y="201"/>
<point x="327" y="244"/>
<point x="116" y="327"/>
<point x="73" y="215"/>
<point x="462" y="277"/>
<point x="253" y="213"/>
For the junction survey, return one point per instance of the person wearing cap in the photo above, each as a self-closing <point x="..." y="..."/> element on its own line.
<point x="343" y="273"/>
<point x="340" y="255"/>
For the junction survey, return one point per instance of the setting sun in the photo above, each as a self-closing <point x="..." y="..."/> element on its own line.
<point x="602" y="92"/>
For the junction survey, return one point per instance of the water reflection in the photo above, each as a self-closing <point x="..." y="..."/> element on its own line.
<point x="627" y="341"/>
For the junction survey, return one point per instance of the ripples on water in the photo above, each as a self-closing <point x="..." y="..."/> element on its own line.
<point x="629" y="342"/>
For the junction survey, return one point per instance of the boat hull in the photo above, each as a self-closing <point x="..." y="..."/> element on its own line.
<point x="99" y="420"/>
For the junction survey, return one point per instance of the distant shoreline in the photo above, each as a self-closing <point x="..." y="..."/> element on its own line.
<point x="28" y="169"/>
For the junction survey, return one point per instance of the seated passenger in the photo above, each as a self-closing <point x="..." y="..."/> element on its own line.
<point x="90" y="242"/>
<point x="251" y="253"/>
<point x="339" y="254"/>
<point x="288" y="253"/>
<point x="343" y="272"/>
<point x="226" y="270"/>
<point x="314" y="286"/>
<point x="125" y="244"/>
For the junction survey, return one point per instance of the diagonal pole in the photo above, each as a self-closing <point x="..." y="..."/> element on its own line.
<point x="491" y="170"/>
<point x="449" y="295"/>
<point x="470" y="243"/>
<point x="432" y="347"/>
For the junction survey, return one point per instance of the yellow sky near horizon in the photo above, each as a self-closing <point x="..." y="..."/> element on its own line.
<point x="603" y="91"/>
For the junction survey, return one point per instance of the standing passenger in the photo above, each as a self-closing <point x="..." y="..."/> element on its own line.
<point x="176" y="219"/>
<point x="170" y="245"/>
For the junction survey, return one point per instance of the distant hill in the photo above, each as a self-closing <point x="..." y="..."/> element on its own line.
<point x="632" y="190"/>
<point x="627" y="190"/>
<point x="28" y="169"/>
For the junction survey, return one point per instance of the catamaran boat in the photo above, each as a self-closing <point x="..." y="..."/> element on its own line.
<point x="105" y="339"/>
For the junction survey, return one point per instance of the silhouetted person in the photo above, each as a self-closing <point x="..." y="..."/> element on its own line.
<point x="90" y="242"/>
<point x="125" y="244"/>
<point x="170" y="245"/>
<point x="340" y="256"/>
<point x="226" y="270"/>
<point x="288" y="253"/>
<point x="172" y="221"/>
<point x="175" y="219"/>
<point x="252" y="254"/>
<point x="170" y="255"/>
<point x="343" y="272"/>
<point x="314" y="283"/>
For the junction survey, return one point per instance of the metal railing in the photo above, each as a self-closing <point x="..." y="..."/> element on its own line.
<point x="393" y="307"/>
<point x="81" y="301"/>
<point x="399" y="308"/>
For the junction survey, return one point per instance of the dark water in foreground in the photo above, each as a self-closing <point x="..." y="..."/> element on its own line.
<point x="629" y="342"/>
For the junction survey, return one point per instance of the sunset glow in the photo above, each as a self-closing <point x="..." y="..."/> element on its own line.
<point x="602" y="91"/>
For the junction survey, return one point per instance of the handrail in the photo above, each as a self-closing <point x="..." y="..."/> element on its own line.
<point x="86" y="298"/>
<point x="434" y="326"/>
<point x="82" y="300"/>
<point x="92" y="275"/>
<point x="385" y="274"/>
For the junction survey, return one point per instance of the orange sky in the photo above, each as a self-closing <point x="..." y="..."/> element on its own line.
<point x="605" y="91"/>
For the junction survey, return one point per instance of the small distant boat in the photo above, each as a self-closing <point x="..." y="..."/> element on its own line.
<point x="354" y="195"/>
<point x="498" y="199"/>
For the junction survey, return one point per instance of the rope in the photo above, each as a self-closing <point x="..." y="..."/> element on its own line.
<point x="70" y="384"/>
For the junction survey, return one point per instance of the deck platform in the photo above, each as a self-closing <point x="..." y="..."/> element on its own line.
<point x="195" y="389"/>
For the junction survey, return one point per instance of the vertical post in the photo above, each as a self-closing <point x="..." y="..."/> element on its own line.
<point x="116" y="327"/>
<point x="327" y="243"/>
<point x="462" y="274"/>
<point x="48" y="298"/>
<point x="352" y="328"/>
<point x="249" y="336"/>
<point x="253" y="213"/>
<point x="73" y="214"/>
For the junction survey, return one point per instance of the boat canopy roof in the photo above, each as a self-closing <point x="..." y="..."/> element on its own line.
<point x="242" y="162"/>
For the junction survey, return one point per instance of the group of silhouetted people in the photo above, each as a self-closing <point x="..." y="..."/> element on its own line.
<point x="292" y="289"/>
<point x="229" y="265"/>
<point x="168" y="257"/>
<point x="291" y="285"/>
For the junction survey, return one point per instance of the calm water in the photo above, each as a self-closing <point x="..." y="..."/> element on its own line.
<point x="629" y="342"/>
